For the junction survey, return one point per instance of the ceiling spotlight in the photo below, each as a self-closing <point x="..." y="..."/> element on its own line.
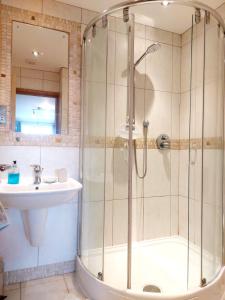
<point x="165" y="3"/>
<point x="35" y="53"/>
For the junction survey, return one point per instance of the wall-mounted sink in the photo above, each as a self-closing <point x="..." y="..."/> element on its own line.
<point x="34" y="200"/>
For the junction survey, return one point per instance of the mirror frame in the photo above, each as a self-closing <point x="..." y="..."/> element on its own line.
<point x="7" y="135"/>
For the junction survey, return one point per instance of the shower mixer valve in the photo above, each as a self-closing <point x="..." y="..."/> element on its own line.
<point x="163" y="142"/>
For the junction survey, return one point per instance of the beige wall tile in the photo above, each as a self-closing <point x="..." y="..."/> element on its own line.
<point x="121" y="27"/>
<point x="174" y="229"/>
<point x="185" y="67"/>
<point x="51" y="86"/>
<point x="139" y="30"/>
<point x="158" y="112"/>
<point x="138" y="184"/>
<point x="110" y="114"/>
<point x="157" y="217"/>
<point x="111" y="57"/>
<point x="158" y="35"/>
<point x="177" y="39"/>
<point x="29" y="83"/>
<point x="183" y="173"/>
<point x="54" y="76"/>
<point x="25" y="4"/>
<point x="108" y="223"/>
<point x="109" y="174"/>
<point x="140" y="70"/>
<point x="120" y="222"/>
<point x="121" y="59"/>
<point x="184" y="115"/>
<point x="61" y="10"/>
<point x="159" y="69"/>
<point x="139" y="110"/>
<point x="120" y="173"/>
<point x="175" y="116"/>
<point x="31" y="73"/>
<point x="87" y="16"/>
<point x="157" y="181"/>
<point x="120" y="108"/>
<point x="176" y="69"/>
<point x="138" y="219"/>
<point x="174" y="172"/>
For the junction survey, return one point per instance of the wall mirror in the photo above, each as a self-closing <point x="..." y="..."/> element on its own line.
<point x="40" y="83"/>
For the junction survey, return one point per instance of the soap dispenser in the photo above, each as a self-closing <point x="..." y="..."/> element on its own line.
<point x="14" y="174"/>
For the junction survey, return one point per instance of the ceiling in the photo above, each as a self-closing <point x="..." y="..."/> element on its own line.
<point x="174" y="18"/>
<point x="52" y="45"/>
<point x="100" y="5"/>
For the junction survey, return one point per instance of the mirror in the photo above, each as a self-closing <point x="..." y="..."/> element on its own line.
<point x="40" y="83"/>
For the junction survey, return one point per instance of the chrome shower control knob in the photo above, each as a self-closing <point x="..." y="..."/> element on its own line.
<point x="163" y="142"/>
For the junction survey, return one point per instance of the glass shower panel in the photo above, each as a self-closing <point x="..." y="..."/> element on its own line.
<point x="94" y="152"/>
<point x="116" y="180"/>
<point x="212" y="190"/>
<point x="195" y="153"/>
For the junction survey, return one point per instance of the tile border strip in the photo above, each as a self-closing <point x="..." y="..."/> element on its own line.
<point x="39" y="272"/>
<point x="176" y="144"/>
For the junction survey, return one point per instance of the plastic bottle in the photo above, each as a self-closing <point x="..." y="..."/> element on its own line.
<point x="14" y="174"/>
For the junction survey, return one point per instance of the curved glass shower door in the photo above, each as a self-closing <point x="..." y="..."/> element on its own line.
<point x="105" y="150"/>
<point x="153" y="101"/>
<point x="94" y="151"/>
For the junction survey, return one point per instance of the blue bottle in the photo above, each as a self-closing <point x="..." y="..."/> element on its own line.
<point x="14" y="174"/>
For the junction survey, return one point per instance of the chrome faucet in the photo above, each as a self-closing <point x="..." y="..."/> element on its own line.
<point x="4" y="167"/>
<point x="37" y="171"/>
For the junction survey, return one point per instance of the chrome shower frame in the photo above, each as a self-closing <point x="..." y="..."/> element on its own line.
<point x="132" y="3"/>
<point x="103" y="16"/>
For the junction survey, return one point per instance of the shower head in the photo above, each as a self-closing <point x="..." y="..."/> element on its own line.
<point x="151" y="49"/>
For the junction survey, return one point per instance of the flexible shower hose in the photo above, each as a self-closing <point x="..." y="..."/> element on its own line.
<point x="145" y="152"/>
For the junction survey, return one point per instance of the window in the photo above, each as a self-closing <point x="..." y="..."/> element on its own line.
<point x="36" y="112"/>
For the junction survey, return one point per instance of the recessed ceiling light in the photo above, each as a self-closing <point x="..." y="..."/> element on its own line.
<point x="35" y="53"/>
<point x="165" y="3"/>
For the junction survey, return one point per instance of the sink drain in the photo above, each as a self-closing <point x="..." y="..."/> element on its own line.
<point x="150" y="288"/>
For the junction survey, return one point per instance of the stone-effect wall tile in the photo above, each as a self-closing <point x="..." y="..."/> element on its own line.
<point x="35" y="6"/>
<point x="61" y="10"/>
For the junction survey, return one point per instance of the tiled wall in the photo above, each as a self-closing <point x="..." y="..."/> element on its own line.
<point x="157" y="90"/>
<point x="60" y="243"/>
<point x="60" y="236"/>
<point x="213" y="128"/>
<point x="37" y="79"/>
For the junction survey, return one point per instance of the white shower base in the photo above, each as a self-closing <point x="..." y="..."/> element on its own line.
<point x="161" y="262"/>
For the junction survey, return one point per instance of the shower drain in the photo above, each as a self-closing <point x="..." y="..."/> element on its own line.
<point x="150" y="288"/>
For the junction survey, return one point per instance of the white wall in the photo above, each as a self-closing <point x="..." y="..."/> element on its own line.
<point x="61" y="233"/>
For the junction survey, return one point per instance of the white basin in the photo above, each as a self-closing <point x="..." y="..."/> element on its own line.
<point x="29" y="196"/>
<point x="34" y="200"/>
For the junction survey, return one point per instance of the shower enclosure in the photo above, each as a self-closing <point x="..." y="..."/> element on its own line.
<point x="151" y="213"/>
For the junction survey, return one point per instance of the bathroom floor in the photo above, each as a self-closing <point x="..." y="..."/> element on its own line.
<point x="63" y="287"/>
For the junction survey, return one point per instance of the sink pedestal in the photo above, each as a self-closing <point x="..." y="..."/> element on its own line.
<point x="34" y="202"/>
<point x="34" y="222"/>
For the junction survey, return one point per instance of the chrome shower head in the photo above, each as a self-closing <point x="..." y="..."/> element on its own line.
<point x="151" y="49"/>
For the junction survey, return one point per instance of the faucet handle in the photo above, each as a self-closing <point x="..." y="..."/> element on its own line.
<point x="4" y="167"/>
<point x="37" y="168"/>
